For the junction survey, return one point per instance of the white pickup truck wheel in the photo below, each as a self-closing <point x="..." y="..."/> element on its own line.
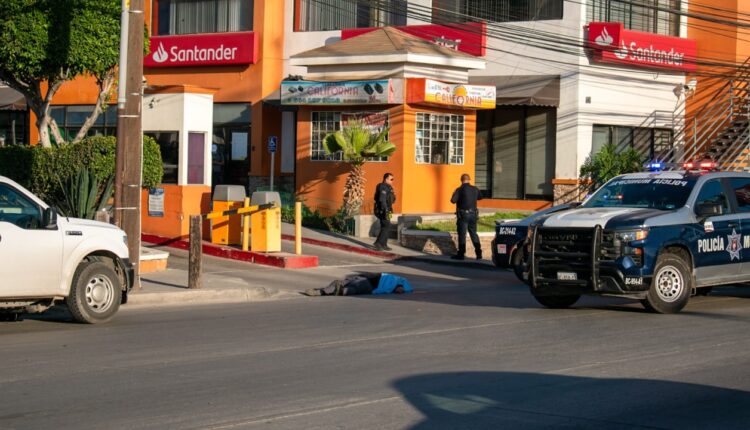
<point x="95" y="294"/>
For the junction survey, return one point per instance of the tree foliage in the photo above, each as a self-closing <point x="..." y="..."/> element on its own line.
<point x="608" y="163"/>
<point x="53" y="41"/>
<point x="357" y="143"/>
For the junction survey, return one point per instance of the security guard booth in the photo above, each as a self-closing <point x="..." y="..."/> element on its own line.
<point x="227" y="230"/>
<point x="265" y="225"/>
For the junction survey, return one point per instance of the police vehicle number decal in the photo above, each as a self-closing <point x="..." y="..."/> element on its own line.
<point x="506" y="230"/>
<point x="634" y="281"/>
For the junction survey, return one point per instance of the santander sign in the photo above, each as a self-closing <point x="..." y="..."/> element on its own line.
<point x="613" y="44"/>
<point x="214" y="49"/>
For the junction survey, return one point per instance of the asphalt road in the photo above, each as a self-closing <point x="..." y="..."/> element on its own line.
<point x="469" y="349"/>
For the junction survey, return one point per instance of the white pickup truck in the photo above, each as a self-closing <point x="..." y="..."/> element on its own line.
<point x="45" y="259"/>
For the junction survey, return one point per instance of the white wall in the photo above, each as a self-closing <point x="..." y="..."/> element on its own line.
<point x="184" y="113"/>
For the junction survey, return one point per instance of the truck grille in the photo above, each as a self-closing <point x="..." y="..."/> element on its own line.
<point x="566" y="250"/>
<point x="610" y="250"/>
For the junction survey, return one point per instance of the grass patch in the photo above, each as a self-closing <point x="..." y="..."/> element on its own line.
<point x="484" y="224"/>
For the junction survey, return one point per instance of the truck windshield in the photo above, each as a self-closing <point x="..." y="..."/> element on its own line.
<point x="654" y="193"/>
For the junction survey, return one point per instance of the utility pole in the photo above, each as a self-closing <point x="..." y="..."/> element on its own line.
<point x="129" y="155"/>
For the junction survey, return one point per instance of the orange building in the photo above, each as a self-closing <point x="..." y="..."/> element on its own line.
<point x="380" y="77"/>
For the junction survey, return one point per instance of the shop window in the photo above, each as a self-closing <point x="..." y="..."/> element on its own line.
<point x="230" y="148"/>
<point x="446" y="11"/>
<point x="440" y="139"/>
<point x="169" y="145"/>
<point x="14" y="125"/>
<point x="317" y="15"/>
<point x="517" y="159"/>
<point x="70" y="119"/>
<point x="652" y="16"/>
<point x="202" y="16"/>
<point x="323" y="123"/>
<point x="654" y="142"/>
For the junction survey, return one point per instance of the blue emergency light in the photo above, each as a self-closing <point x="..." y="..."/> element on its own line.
<point x="655" y="166"/>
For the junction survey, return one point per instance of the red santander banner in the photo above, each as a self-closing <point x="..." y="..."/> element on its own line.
<point x="215" y="49"/>
<point x="469" y="37"/>
<point x="613" y="44"/>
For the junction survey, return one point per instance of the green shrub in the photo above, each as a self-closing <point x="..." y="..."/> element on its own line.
<point x="608" y="163"/>
<point x="45" y="171"/>
<point x="310" y="218"/>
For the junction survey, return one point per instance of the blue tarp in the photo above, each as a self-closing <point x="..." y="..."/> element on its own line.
<point x="389" y="282"/>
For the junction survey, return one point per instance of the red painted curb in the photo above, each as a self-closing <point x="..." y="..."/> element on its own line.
<point x="342" y="247"/>
<point x="282" y="261"/>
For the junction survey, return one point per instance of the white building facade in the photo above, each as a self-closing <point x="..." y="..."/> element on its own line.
<point x="560" y="98"/>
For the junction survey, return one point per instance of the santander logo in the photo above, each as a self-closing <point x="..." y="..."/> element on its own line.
<point x="160" y="55"/>
<point x="604" y="39"/>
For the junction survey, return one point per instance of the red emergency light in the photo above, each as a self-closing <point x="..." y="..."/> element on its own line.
<point x="699" y="165"/>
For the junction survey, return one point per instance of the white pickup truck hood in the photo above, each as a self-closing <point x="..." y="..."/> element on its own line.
<point x="89" y="224"/>
<point x="586" y="217"/>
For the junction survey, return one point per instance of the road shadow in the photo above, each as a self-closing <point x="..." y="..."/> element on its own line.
<point x="509" y="400"/>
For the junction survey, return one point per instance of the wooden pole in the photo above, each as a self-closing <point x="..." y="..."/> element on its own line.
<point x="246" y="227"/>
<point x="298" y="228"/>
<point x="195" y="261"/>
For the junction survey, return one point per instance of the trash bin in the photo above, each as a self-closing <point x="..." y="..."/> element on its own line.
<point x="265" y="226"/>
<point x="227" y="230"/>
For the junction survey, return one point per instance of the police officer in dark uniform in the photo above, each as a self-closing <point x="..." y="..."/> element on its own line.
<point x="384" y="199"/>
<point x="465" y="198"/>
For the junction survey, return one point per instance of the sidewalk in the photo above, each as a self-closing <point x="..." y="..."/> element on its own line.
<point x="233" y="281"/>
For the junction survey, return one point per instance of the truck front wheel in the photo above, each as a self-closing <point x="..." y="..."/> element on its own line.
<point x="557" y="302"/>
<point x="671" y="285"/>
<point x="95" y="294"/>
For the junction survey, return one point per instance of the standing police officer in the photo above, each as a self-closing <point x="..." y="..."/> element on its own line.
<point x="384" y="199"/>
<point x="465" y="197"/>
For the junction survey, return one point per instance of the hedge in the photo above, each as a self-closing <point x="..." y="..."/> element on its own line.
<point x="43" y="170"/>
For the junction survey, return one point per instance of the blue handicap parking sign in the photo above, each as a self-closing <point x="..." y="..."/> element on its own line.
<point x="272" y="143"/>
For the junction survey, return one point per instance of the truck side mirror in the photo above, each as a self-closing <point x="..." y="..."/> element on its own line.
<point x="708" y="209"/>
<point x="49" y="219"/>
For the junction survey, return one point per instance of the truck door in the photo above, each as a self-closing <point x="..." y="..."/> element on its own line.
<point x="741" y="188"/>
<point x="717" y="258"/>
<point x="30" y="256"/>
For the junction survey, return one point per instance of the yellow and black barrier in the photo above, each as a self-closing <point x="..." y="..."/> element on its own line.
<point x="246" y="210"/>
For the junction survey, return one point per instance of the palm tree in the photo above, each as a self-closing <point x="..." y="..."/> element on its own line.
<point x="357" y="143"/>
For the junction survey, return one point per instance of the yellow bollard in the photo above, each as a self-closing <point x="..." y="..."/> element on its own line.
<point x="298" y="228"/>
<point x="246" y="227"/>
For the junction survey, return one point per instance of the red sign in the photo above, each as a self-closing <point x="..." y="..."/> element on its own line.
<point x="470" y="37"/>
<point x="613" y="44"/>
<point x="215" y="49"/>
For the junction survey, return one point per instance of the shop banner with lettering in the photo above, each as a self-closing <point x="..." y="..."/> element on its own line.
<point x="215" y="49"/>
<point x="428" y="91"/>
<point x="468" y="37"/>
<point x="611" y="43"/>
<point x="338" y="93"/>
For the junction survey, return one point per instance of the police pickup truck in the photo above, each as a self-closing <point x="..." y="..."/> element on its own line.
<point x="46" y="259"/>
<point x="657" y="237"/>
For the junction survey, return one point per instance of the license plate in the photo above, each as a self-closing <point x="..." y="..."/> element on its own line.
<point x="567" y="276"/>
<point x="502" y="249"/>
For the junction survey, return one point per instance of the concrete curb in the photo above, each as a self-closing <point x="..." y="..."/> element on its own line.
<point x="282" y="260"/>
<point x="343" y="247"/>
<point x="186" y="297"/>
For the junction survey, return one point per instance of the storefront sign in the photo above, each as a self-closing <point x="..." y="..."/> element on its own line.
<point x="470" y="37"/>
<point x="217" y="49"/>
<point x="613" y="44"/>
<point x="338" y="93"/>
<point x="374" y="121"/>
<point x="428" y="91"/>
<point x="156" y="202"/>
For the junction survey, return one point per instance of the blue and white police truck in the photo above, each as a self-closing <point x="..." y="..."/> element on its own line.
<point x="658" y="237"/>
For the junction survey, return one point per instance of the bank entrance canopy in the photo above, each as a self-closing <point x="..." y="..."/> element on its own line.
<point x="532" y="90"/>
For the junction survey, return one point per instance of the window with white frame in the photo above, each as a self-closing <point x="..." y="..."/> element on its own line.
<point x="440" y="139"/>
<point x="323" y="123"/>
<point x="325" y="15"/>
<point x="444" y="11"/>
<point x="651" y="16"/>
<point x="203" y="16"/>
